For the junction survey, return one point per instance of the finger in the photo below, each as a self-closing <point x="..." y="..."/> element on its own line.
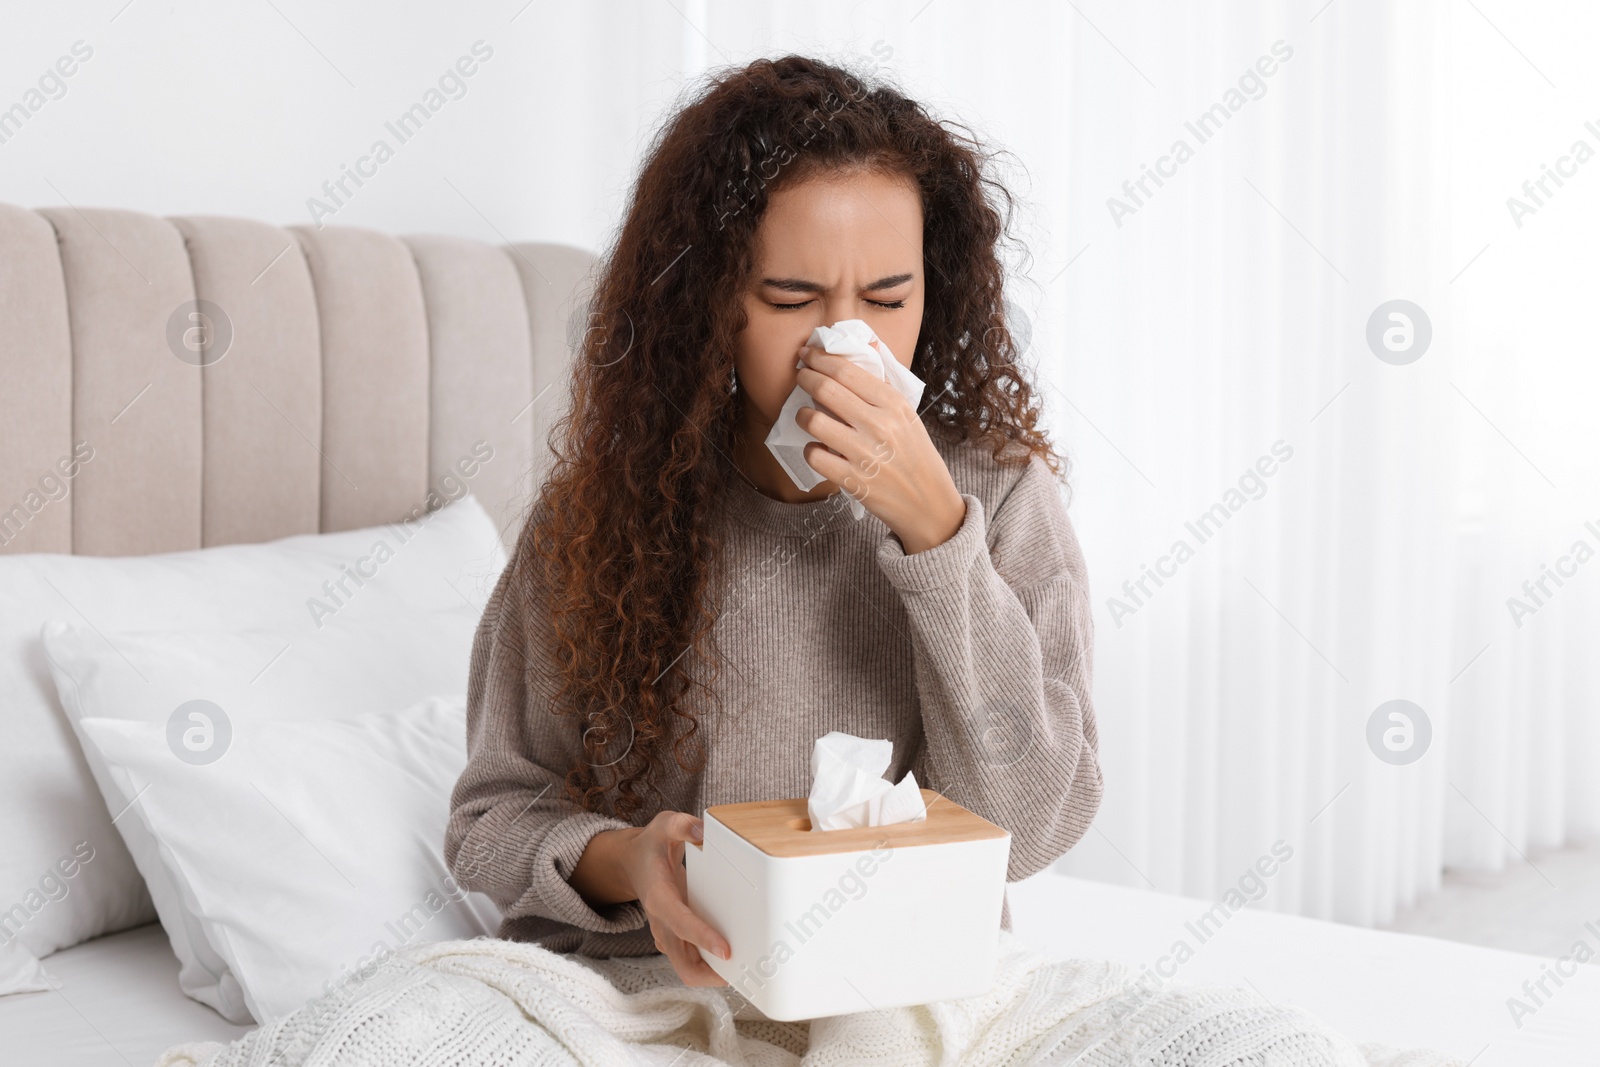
<point x="668" y="893"/>
<point x="842" y="473"/>
<point x="838" y="397"/>
<point x="831" y="466"/>
<point x="842" y="451"/>
<point x="837" y="435"/>
<point x="680" y="826"/>
<point x="689" y="964"/>
<point x="852" y="376"/>
<point x="685" y="954"/>
<point x="682" y="921"/>
<point x="684" y="957"/>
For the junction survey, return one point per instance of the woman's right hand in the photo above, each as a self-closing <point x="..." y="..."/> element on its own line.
<point x="653" y="862"/>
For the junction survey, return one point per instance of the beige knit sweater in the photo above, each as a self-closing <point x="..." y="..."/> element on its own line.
<point x="973" y="657"/>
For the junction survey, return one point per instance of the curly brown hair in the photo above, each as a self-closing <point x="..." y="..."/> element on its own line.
<point x="621" y="531"/>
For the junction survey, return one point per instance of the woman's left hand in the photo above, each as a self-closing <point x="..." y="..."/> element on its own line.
<point x="878" y="450"/>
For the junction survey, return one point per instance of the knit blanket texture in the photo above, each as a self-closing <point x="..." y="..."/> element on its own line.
<point x="484" y="1002"/>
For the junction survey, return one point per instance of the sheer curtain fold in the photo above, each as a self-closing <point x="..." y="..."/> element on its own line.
<point x="1237" y="696"/>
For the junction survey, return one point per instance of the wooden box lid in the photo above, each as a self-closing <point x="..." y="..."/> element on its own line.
<point x="782" y="828"/>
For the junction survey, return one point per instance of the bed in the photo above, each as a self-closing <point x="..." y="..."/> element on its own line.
<point x="362" y="359"/>
<point x="118" y="1001"/>
<point x="1375" y="985"/>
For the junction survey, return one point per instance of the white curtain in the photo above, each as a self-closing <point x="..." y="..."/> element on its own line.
<point x="1525" y="128"/>
<point x="1216" y="335"/>
<point x="1355" y="524"/>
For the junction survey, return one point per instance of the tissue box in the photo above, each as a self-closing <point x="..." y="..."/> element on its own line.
<point x="838" y="921"/>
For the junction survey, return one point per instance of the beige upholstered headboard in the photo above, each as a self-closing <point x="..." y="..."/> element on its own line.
<point x="365" y="377"/>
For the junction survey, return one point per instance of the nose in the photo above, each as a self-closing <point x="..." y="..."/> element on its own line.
<point x="838" y="308"/>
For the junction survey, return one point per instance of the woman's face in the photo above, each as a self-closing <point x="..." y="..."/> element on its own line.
<point x="845" y="246"/>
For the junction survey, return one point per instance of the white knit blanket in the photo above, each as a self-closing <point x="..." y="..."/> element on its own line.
<point x="491" y="1003"/>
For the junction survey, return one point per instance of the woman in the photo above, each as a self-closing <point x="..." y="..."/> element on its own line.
<point x="680" y="622"/>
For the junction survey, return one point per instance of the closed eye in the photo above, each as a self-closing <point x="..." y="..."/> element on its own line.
<point x="891" y="305"/>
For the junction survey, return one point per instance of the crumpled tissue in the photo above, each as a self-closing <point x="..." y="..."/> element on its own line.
<point x="848" y="788"/>
<point x="854" y="340"/>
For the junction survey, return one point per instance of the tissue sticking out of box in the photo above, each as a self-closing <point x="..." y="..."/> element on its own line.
<point x="855" y="340"/>
<point x="848" y="788"/>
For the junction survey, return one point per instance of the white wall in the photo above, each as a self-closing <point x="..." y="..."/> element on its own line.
<point x="246" y="108"/>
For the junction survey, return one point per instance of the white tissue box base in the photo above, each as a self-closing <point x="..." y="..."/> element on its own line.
<point x="814" y="936"/>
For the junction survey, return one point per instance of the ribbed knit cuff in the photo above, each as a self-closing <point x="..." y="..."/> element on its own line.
<point x="553" y="863"/>
<point x="943" y="564"/>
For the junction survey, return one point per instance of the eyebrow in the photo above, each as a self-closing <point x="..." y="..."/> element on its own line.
<point x="801" y="285"/>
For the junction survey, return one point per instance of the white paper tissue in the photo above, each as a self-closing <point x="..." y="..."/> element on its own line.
<point x="848" y="788"/>
<point x="855" y="340"/>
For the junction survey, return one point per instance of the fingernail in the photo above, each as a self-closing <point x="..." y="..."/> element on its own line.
<point x="699" y="831"/>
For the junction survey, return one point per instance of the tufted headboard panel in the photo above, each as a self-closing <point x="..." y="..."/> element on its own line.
<point x="178" y="383"/>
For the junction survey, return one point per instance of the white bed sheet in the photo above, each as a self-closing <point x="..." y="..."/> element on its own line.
<point x="119" y="1002"/>
<point x="1373" y="985"/>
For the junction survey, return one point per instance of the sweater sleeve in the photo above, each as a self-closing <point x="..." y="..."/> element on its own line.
<point x="1002" y="637"/>
<point x="512" y="833"/>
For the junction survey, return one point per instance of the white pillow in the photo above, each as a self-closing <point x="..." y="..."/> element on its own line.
<point x="52" y="811"/>
<point x="310" y="850"/>
<point x="236" y="681"/>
